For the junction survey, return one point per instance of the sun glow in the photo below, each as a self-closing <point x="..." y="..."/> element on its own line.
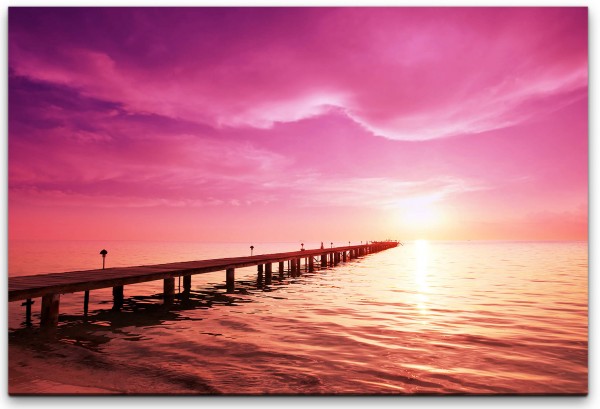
<point x="418" y="216"/>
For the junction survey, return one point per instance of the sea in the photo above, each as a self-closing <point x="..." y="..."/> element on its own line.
<point x="426" y="317"/>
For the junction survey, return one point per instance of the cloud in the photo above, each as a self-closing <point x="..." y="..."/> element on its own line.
<point x="402" y="73"/>
<point x="87" y="152"/>
<point x="45" y="197"/>
<point x="375" y="192"/>
<point x="73" y="150"/>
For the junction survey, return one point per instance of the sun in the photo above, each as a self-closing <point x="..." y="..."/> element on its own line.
<point x="418" y="214"/>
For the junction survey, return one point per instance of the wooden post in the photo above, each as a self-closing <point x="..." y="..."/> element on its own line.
<point x="168" y="290"/>
<point x="344" y="256"/>
<point x="293" y="268"/>
<point x="187" y="288"/>
<point x="311" y="264"/>
<point x="281" y="269"/>
<point x="117" y="298"/>
<point x="187" y="284"/>
<point x="298" y="270"/>
<point x="86" y="302"/>
<point x="50" y="307"/>
<point x="230" y="279"/>
<point x="323" y="260"/>
<point x="260" y="273"/>
<point x="27" y="305"/>
<point x="268" y="273"/>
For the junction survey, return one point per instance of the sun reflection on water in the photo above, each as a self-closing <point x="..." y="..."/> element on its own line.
<point x="421" y="275"/>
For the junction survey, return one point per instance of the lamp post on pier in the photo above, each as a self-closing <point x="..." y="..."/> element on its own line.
<point x="103" y="253"/>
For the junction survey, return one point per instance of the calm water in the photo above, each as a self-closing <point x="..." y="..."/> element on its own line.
<point x="429" y="317"/>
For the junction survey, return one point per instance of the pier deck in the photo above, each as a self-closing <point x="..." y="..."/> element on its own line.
<point x="50" y="286"/>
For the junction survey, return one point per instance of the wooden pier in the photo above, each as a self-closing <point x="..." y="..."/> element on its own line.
<point x="51" y="286"/>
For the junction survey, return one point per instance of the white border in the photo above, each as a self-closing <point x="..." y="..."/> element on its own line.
<point x="278" y="402"/>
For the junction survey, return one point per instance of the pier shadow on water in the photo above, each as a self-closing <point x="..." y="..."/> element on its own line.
<point x="103" y="325"/>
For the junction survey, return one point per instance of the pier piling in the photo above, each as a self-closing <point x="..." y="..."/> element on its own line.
<point x="187" y="288"/>
<point x="293" y="266"/>
<point x="117" y="298"/>
<point x="169" y="290"/>
<point x="230" y="279"/>
<point x="86" y="302"/>
<point x="27" y="305"/>
<point x="260" y="273"/>
<point x="187" y="284"/>
<point x="50" y="307"/>
<point x="268" y="273"/>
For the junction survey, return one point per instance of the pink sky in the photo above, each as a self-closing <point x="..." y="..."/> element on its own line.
<point x="298" y="124"/>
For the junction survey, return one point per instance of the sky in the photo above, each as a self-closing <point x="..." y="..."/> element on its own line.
<point x="341" y="124"/>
